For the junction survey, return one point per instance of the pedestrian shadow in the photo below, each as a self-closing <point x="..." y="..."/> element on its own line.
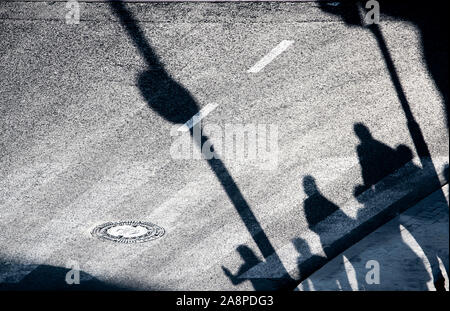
<point x="316" y="206"/>
<point x="445" y="173"/>
<point x="177" y="105"/>
<point x="317" y="209"/>
<point x="433" y="25"/>
<point x="378" y="161"/>
<point x="250" y="260"/>
<point x="307" y="267"/>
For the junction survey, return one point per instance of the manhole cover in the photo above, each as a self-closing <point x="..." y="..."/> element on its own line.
<point x="128" y="231"/>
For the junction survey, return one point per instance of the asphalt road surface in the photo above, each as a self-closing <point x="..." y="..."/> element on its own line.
<point x="87" y="112"/>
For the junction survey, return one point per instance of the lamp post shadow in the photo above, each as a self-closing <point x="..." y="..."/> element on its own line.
<point x="175" y="104"/>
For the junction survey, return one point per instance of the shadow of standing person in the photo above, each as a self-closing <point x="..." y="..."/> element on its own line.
<point x="377" y="159"/>
<point x="317" y="208"/>
<point x="307" y="267"/>
<point x="433" y="25"/>
<point x="250" y="261"/>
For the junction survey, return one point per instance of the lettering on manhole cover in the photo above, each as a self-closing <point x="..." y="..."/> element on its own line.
<point x="128" y="231"/>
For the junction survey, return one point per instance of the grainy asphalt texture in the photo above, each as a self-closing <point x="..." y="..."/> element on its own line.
<point x="80" y="145"/>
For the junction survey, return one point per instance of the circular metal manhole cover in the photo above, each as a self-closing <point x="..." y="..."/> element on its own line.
<point x="128" y="231"/>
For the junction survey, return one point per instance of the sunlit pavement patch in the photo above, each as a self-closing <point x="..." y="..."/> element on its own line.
<point x="128" y="231"/>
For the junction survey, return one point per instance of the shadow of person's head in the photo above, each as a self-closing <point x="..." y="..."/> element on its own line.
<point x="309" y="185"/>
<point x="245" y="252"/>
<point x="247" y="255"/>
<point x="302" y="247"/>
<point x="316" y="206"/>
<point x="362" y="132"/>
<point x="445" y="172"/>
<point x="404" y="155"/>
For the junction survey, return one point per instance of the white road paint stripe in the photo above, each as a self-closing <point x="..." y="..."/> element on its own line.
<point x="280" y="48"/>
<point x="444" y="270"/>
<point x="197" y="117"/>
<point x="351" y="274"/>
<point x="409" y="240"/>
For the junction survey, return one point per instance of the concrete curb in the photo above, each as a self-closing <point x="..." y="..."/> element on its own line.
<point x="410" y="252"/>
<point x="339" y="232"/>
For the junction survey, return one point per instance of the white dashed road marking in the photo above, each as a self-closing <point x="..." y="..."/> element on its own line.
<point x="197" y="117"/>
<point x="280" y="48"/>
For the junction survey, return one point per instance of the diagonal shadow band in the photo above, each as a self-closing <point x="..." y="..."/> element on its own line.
<point x="175" y="104"/>
<point x="413" y="126"/>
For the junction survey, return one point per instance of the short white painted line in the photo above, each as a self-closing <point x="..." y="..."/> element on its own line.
<point x="280" y="48"/>
<point x="197" y="117"/>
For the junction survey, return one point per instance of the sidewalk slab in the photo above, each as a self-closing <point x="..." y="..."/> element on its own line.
<point x="412" y="251"/>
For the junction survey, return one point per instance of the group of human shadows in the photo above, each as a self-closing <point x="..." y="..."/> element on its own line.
<point x="377" y="160"/>
<point x="176" y="104"/>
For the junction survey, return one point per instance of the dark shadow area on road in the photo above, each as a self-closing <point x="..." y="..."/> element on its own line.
<point x="317" y="209"/>
<point x="432" y="22"/>
<point x="445" y="173"/>
<point x="251" y="260"/>
<point x="47" y="278"/>
<point x="378" y="161"/>
<point x="430" y="19"/>
<point x="175" y="104"/>
<point x="311" y="263"/>
<point x="316" y="206"/>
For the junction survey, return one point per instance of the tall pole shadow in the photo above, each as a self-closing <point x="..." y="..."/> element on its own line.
<point x="175" y="104"/>
<point x="414" y="129"/>
<point x="352" y="8"/>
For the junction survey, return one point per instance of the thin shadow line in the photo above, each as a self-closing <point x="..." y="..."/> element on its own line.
<point x="135" y="33"/>
<point x="414" y="128"/>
